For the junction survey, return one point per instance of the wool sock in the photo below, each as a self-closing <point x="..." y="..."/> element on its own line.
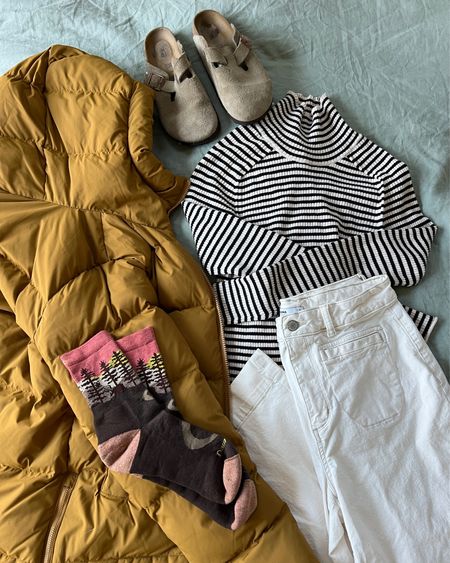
<point x="235" y="512"/>
<point x="139" y="429"/>
<point x="220" y="477"/>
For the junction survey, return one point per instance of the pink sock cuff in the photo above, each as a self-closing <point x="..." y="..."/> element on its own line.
<point x="88" y="358"/>
<point x="139" y="346"/>
<point x="136" y="339"/>
<point x="87" y="349"/>
<point x="140" y="350"/>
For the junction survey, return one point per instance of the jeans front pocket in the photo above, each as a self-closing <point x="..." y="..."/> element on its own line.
<point x="363" y="376"/>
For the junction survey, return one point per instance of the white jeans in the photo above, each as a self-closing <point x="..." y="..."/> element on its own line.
<point x="354" y="434"/>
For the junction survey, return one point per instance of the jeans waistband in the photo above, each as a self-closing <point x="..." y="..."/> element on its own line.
<point x="334" y="305"/>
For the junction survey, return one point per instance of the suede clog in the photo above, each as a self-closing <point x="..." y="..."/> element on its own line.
<point x="184" y="108"/>
<point x="240" y="80"/>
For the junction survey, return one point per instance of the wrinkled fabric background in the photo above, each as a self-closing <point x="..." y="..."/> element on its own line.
<point x="384" y="64"/>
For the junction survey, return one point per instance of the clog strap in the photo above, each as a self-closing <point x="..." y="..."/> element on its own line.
<point x="181" y="66"/>
<point x="214" y="56"/>
<point x="241" y="52"/>
<point x="158" y="79"/>
<point x="243" y="46"/>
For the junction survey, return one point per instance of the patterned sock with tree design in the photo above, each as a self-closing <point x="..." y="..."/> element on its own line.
<point x="139" y="429"/>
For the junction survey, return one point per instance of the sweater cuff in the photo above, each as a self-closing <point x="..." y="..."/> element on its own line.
<point x="425" y="323"/>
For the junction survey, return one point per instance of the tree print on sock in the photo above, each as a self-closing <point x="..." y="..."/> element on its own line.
<point x="89" y="386"/>
<point x="144" y="373"/>
<point x="159" y="377"/>
<point x="107" y="374"/>
<point x="122" y="367"/>
<point x="113" y="376"/>
<point x="153" y="373"/>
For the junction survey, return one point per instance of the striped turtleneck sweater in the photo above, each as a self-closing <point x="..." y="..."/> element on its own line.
<point x="294" y="202"/>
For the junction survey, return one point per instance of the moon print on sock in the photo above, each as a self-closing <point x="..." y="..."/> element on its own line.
<point x="171" y="405"/>
<point x="191" y="441"/>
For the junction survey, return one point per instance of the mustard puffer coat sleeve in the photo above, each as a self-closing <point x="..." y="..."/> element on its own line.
<point x="85" y="245"/>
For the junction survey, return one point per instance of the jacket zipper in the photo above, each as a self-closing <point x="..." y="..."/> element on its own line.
<point x="224" y="354"/>
<point x="63" y="500"/>
<point x="226" y="388"/>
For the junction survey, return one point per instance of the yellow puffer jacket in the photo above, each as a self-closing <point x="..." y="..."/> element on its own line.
<point x="85" y="245"/>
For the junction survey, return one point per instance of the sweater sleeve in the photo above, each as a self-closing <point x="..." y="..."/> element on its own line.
<point x="400" y="250"/>
<point x="234" y="247"/>
<point x="229" y="246"/>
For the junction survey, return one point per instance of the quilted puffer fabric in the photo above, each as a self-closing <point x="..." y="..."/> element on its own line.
<point x="86" y="245"/>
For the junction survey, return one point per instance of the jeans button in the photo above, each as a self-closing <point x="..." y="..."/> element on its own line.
<point x="292" y="325"/>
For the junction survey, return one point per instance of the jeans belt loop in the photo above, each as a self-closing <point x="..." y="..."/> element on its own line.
<point x="331" y="331"/>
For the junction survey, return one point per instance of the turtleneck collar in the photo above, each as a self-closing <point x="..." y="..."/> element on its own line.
<point x="308" y="129"/>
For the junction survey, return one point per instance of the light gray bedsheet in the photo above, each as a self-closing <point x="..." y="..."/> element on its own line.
<point x="384" y="63"/>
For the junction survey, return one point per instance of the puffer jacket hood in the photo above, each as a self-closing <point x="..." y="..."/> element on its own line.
<point x="86" y="245"/>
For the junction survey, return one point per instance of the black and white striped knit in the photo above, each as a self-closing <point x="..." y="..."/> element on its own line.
<point x="295" y="202"/>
